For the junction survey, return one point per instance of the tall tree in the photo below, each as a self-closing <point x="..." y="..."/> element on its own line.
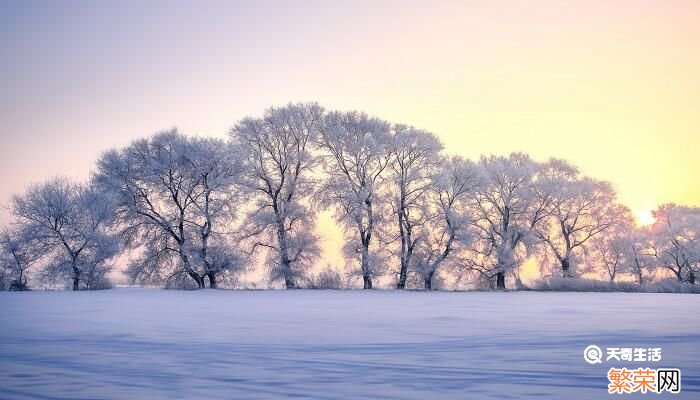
<point x="414" y="155"/>
<point x="449" y="215"/>
<point x="214" y="206"/>
<point x="277" y="166"/>
<point x="356" y="157"/>
<point x="156" y="190"/>
<point x="506" y="211"/>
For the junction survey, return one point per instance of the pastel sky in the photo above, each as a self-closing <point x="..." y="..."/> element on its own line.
<point x="613" y="86"/>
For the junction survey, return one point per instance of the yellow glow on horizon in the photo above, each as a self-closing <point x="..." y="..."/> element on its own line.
<point x="643" y="217"/>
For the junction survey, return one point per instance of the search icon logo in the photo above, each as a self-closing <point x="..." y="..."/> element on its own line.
<point x="593" y="354"/>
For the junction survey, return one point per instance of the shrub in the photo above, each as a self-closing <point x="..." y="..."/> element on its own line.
<point x="558" y="284"/>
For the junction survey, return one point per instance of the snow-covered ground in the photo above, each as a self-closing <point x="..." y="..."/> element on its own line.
<point x="157" y="344"/>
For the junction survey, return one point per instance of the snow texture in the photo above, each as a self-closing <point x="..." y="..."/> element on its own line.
<point x="207" y="344"/>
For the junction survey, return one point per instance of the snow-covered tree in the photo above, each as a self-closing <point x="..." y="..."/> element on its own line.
<point x="155" y="189"/>
<point x="19" y="251"/>
<point x="578" y="209"/>
<point x="223" y="261"/>
<point x="357" y="154"/>
<point x="214" y="207"/>
<point x="639" y="255"/>
<point x="675" y="240"/>
<point x="74" y="223"/>
<point x="448" y="215"/>
<point x="506" y="211"/>
<point x="161" y="202"/>
<point x="623" y="249"/>
<point x="176" y="199"/>
<point x="277" y="159"/>
<point x="611" y="248"/>
<point x="414" y="157"/>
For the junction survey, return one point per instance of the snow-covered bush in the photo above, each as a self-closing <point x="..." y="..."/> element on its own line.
<point x="671" y="286"/>
<point x="327" y="278"/>
<point x="558" y="284"/>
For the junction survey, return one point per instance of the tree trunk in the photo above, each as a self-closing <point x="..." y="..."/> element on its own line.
<point x="289" y="282"/>
<point x="403" y="268"/>
<point x="199" y="280"/>
<point x="212" y="280"/>
<point x="284" y="253"/>
<point x="500" y="280"/>
<point x="691" y="277"/>
<point x="640" y="278"/>
<point x="428" y="282"/>
<point x="195" y="277"/>
<point x="76" y="275"/>
<point x="366" y="276"/>
<point x="401" y="284"/>
<point x="566" y="268"/>
<point x="406" y="256"/>
<point x="188" y="267"/>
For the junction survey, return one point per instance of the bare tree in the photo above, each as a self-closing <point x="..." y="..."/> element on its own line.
<point x="357" y="156"/>
<point x="278" y="162"/>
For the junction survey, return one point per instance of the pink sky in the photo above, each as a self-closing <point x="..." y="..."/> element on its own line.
<point x="612" y="86"/>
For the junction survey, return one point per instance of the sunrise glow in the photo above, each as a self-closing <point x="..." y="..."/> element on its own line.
<point x="644" y="217"/>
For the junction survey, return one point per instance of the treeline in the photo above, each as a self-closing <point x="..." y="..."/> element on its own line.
<point x="199" y="212"/>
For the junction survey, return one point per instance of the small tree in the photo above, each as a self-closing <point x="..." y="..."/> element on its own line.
<point x="578" y="209"/>
<point x="639" y="256"/>
<point x="675" y="240"/>
<point x="610" y="251"/>
<point x="624" y="248"/>
<point x="19" y="252"/>
<point x="74" y="223"/>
